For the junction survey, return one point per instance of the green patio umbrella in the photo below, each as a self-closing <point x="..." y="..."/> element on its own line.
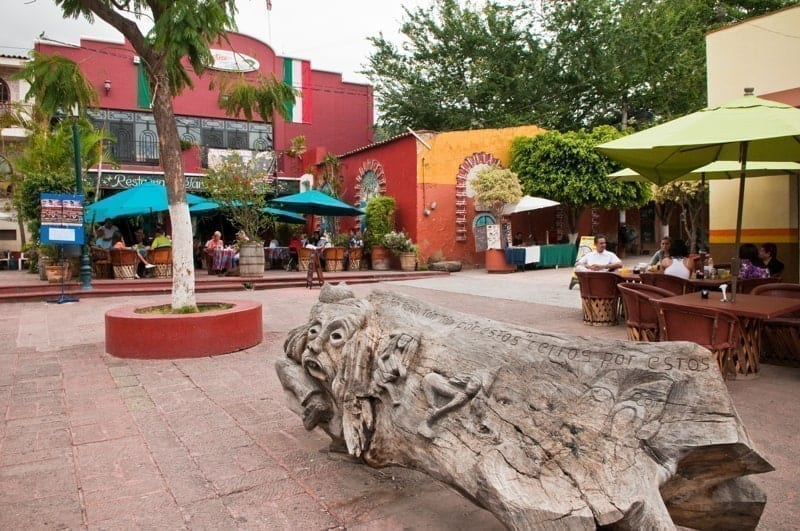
<point x="744" y="129"/>
<point x="721" y="169"/>
<point x="316" y="203"/>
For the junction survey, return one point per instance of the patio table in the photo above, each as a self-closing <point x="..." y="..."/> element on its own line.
<point x="557" y="255"/>
<point x="223" y="259"/>
<point x="521" y="256"/>
<point x="277" y="256"/>
<point x="751" y="311"/>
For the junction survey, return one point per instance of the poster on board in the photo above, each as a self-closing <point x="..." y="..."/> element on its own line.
<point x="62" y="219"/>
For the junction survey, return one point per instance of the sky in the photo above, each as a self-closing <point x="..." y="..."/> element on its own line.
<point x="330" y="34"/>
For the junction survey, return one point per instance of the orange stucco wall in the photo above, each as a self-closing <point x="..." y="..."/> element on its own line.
<point x="421" y="176"/>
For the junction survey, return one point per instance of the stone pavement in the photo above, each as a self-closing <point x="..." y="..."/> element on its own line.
<point x="88" y="441"/>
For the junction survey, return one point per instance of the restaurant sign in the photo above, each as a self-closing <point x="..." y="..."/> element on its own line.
<point x="194" y="183"/>
<point x="122" y="181"/>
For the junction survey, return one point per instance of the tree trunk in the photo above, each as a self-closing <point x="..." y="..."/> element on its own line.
<point x="546" y="431"/>
<point x="183" y="295"/>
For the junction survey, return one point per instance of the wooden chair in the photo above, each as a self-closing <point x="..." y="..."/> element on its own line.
<point x="355" y="255"/>
<point x="641" y="315"/>
<point x="676" y="285"/>
<point x="747" y="285"/>
<point x="124" y="261"/>
<point x="716" y="330"/>
<point x="101" y="263"/>
<point x="599" y="297"/>
<point x="303" y="256"/>
<point x="161" y="257"/>
<point x="334" y="258"/>
<point x="780" y="336"/>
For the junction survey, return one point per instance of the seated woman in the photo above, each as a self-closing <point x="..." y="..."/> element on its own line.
<point x="678" y="263"/>
<point x="215" y="242"/>
<point x="751" y="263"/>
<point x="118" y="243"/>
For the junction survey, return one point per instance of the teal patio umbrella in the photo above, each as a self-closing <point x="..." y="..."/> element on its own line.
<point x="316" y="203"/>
<point x="280" y="215"/>
<point x="745" y="129"/>
<point x="145" y="198"/>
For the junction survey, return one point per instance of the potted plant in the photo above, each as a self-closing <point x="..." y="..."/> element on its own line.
<point x="402" y="247"/>
<point x="380" y="212"/>
<point x="51" y="267"/>
<point x="240" y="187"/>
<point x="495" y="188"/>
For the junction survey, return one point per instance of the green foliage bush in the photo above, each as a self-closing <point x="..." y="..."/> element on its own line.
<point x="380" y="214"/>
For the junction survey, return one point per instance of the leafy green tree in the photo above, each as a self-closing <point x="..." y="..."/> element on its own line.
<point x="564" y="65"/>
<point x="691" y="196"/>
<point x="566" y="168"/>
<point x="495" y="188"/>
<point x="240" y="187"/>
<point x="47" y="164"/>
<point x="460" y="68"/>
<point x="182" y="30"/>
<point x="634" y="61"/>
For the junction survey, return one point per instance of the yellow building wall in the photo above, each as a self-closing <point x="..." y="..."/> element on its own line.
<point x="763" y="53"/>
<point x="448" y="150"/>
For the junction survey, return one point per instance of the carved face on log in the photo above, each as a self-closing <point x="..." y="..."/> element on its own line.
<point x="539" y="428"/>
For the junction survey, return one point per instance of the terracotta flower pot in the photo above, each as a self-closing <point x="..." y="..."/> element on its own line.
<point x="381" y="258"/>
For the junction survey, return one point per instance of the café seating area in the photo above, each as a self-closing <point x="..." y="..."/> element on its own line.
<point x="761" y="324"/>
<point x="714" y="329"/>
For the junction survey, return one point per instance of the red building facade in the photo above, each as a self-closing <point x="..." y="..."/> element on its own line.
<point x="337" y="116"/>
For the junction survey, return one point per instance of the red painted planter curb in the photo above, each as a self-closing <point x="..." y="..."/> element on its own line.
<point x="157" y="336"/>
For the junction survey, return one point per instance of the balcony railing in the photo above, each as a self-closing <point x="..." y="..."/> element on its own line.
<point x="147" y="153"/>
<point x="135" y="152"/>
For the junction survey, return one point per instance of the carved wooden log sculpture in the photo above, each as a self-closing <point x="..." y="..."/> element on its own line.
<point x="546" y="431"/>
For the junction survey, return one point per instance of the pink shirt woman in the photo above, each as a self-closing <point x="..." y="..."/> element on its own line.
<point x="215" y="242"/>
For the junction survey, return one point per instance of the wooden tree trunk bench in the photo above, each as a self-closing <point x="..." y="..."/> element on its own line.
<point x="546" y="431"/>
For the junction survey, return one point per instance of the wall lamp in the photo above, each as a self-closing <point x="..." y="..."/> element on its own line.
<point x="428" y="210"/>
<point x="107" y="86"/>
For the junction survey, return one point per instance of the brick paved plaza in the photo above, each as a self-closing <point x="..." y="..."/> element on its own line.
<point x="88" y="441"/>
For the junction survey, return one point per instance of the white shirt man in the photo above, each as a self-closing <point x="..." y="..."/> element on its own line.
<point x="599" y="259"/>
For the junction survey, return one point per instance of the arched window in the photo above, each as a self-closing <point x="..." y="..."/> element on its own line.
<point x="483" y="219"/>
<point x="5" y="92"/>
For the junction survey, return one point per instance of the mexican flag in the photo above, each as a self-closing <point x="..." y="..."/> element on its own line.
<point x="297" y="74"/>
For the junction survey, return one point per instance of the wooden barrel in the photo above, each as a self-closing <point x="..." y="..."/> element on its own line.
<point x="334" y="258"/>
<point x="251" y="260"/>
<point x="303" y="255"/>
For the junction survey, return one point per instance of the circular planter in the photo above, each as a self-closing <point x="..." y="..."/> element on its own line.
<point x="408" y="261"/>
<point x="168" y="336"/>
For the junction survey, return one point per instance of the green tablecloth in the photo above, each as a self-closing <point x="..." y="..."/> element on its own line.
<point x="561" y="255"/>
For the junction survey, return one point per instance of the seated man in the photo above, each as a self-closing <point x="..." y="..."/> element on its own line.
<point x="161" y="239"/>
<point x="768" y="253"/>
<point x="517" y="240"/>
<point x="600" y="259"/>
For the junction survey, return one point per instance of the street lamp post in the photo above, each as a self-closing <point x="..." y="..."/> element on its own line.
<point x="86" y="267"/>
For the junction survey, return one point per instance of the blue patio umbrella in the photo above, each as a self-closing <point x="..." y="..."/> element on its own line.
<point x="145" y="198"/>
<point x="316" y="203"/>
<point x="278" y="214"/>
